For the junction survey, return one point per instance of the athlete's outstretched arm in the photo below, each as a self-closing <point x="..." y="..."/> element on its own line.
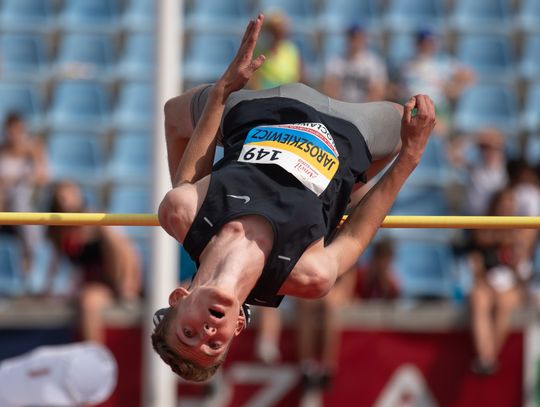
<point x="357" y="232"/>
<point x="198" y="157"/>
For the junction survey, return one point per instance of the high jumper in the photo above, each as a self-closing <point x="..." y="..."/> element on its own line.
<point x="262" y="222"/>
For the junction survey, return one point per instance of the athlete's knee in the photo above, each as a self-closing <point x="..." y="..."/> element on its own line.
<point x="321" y="283"/>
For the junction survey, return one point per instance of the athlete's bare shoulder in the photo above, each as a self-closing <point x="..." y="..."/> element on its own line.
<point x="180" y="205"/>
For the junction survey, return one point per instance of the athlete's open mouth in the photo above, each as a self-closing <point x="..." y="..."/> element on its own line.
<point x="215" y="313"/>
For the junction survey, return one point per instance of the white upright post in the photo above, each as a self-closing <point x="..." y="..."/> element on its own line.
<point x="159" y="382"/>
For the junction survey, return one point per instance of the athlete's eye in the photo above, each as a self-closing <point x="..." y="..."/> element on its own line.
<point x="188" y="333"/>
<point x="214" y="345"/>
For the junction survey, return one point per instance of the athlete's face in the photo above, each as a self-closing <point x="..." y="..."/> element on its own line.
<point x="206" y="321"/>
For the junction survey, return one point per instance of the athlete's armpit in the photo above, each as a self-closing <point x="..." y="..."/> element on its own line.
<point x="313" y="276"/>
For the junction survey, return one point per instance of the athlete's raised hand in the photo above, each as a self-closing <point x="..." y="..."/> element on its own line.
<point x="243" y="65"/>
<point x="416" y="128"/>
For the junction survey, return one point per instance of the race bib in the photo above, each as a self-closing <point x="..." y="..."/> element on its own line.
<point x="305" y="150"/>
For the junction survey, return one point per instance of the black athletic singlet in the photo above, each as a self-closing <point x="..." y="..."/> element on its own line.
<point x="289" y="163"/>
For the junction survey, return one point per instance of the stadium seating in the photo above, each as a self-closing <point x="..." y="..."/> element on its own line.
<point x="22" y="98"/>
<point x="11" y="280"/>
<point x="424" y="269"/>
<point x="530" y="61"/>
<point x="27" y="15"/>
<point x="207" y="57"/>
<point x="76" y="156"/>
<point x="139" y="15"/>
<point x="131" y="199"/>
<point x="135" y="107"/>
<point x="131" y="158"/>
<point x="401" y="47"/>
<point x="82" y="105"/>
<point x="482" y="16"/>
<point x="311" y="56"/>
<point x="137" y="59"/>
<point x="488" y="106"/>
<point x="338" y="15"/>
<point x="218" y="16"/>
<point x="24" y="57"/>
<point x="90" y="15"/>
<point x="85" y="56"/>
<point x="411" y="15"/>
<point x="491" y="57"/>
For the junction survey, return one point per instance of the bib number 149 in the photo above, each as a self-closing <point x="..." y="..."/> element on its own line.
<point x="260" y="154"/>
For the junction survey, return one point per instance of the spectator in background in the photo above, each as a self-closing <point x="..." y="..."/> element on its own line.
<point x="376" y="279"/>
<point x="523" y="180"/>
<point x="23" y="167"/>
<point x="283" y="62"/>
<point x="488" y="173"/>
<point x="109" y="264"/>
<point x="319" y="327"/>
<point x="439" y="76"/>
<point x="358" y="76"/>
<point x="501" y="264"/>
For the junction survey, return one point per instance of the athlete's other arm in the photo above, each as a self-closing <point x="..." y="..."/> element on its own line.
<point x="178" y="207"/>
<point x="323" y="265"/>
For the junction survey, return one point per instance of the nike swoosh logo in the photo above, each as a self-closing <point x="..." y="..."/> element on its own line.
<point x="245" y="198"/>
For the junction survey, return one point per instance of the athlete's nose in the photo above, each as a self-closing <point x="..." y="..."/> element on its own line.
<point x="209" y="330"/>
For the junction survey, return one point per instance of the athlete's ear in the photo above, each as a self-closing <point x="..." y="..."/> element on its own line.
<point x="176" y="295"/>
<point x="240" y="325"/>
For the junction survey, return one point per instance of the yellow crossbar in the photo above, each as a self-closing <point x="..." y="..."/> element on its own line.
<point x="148" y="219"/>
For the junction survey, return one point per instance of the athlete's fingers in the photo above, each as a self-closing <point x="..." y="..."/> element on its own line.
<point x="254" y="34"/>
<point x="422" y="106"/>
<point x="408" y="108"/>
<point x="257" y="62"/>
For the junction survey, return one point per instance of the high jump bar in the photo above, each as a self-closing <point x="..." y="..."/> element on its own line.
<point x="148" y="219"/>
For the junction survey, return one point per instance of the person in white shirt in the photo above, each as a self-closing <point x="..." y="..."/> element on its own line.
<point x="358" y="76"/>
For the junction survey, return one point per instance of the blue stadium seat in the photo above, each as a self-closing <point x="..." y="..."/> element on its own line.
<point x="76" y="156"/>
<point x="482" y="16"/>
<point x="424" y="269"/>
<point x="82" y="105"/>
<point x="137" y="59"/>
<point x="531" y="111"/>
<point x="139" y="15"/>
<point x="208" y="56"/>
<point x="130" y="199"/>
<point x="85" y="55"/>
<point x="218" y="16"/>
<point x="420" y="200"/>
<point x="135" y="107"/>
<point x="411" y="15"/>
<point x="21" y="98"/>
<point x="530" y="61"/>
<point x="131" y="158"/>
<point x="90" y="15"/>
<point x="300" y="13"/>
<point x="528" y="16"/>
<point x="401" y="48"/>
<point x="11" y="280"/>
<point x="491" y="57"/>
<point x="338" y="15"/>
<point x="23" y="57"/>
<point x="488" y="106"/>
<point x="27" y="15"/>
